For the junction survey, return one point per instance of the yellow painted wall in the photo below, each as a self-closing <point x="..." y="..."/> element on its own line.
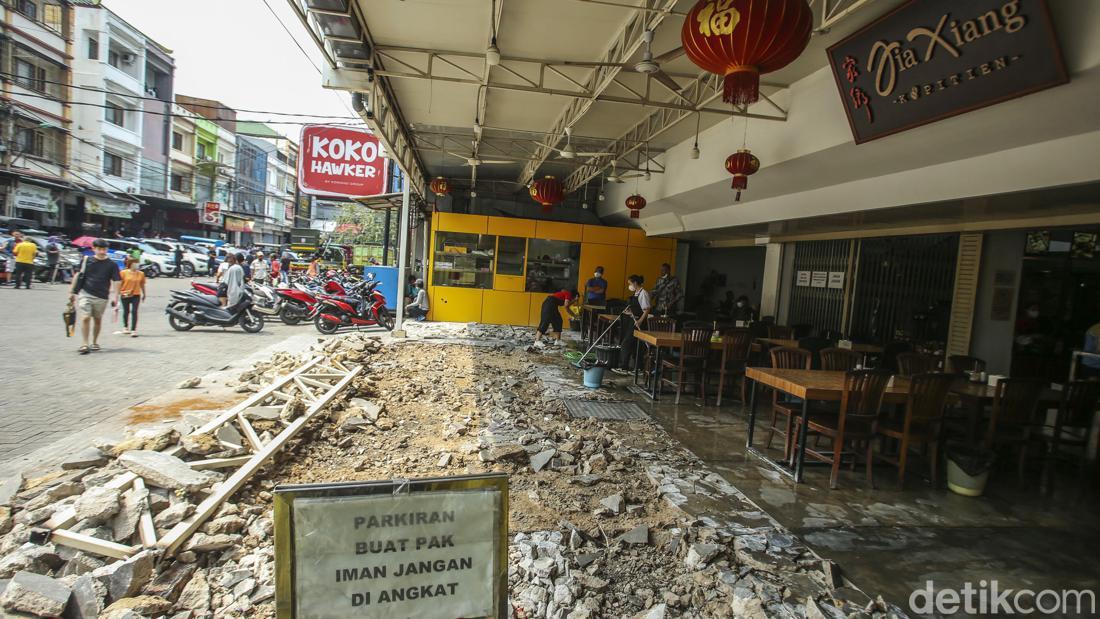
<point x="612" y="258"/>
<point x="621" y="251"/>
<point x="505" y="308"/>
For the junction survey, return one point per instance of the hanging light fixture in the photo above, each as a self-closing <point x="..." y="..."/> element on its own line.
<point x="695" y="148"/>
<point x="492" y="55"/>
<point x="741" y="165"/>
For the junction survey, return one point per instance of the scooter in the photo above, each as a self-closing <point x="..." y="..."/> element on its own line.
<point x="189" y="309"/>
<point x="298" y="304"/>
<point x="265" y="301"/>
<point x="365" y="306"/>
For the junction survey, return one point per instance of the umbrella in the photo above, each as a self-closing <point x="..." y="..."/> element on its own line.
<point x="84" y="241"/>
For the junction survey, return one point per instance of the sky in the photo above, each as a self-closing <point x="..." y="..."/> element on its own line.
<point x="236" y="52"/>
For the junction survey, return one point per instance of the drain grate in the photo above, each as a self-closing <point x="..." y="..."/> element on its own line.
<point x="608" y="411"/>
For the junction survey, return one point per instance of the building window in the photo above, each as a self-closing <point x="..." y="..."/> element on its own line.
<point x="114" y="114"/>
<point x="30" y="142"/>
<point x="112" y="164"/>
<point x="200" y="150"/>
<point x="93" y="48"/>
<point x="177" y="141"/>
<point x="30" y="76"/>
<point x="177" y="183"/>
<point x="28" y="8"/>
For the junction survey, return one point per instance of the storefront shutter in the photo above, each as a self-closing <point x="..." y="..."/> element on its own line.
<point x="967" y="269"/>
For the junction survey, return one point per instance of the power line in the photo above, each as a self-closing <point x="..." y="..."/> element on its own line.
<point x="16" y="77"/>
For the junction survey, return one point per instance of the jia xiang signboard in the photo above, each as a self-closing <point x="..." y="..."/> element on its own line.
<point x="931" y="59"/>
<point x="431" y="549"/>
<point x="340" y="162"/>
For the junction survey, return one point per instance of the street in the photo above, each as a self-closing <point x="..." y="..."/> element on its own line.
<point x="50" y="392"/>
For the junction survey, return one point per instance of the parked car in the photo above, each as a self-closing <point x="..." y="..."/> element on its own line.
<point x="194" y="262"/>
<point x="154" y="261"/>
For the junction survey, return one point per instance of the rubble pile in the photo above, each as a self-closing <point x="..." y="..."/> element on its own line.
<point x="608" y="519"/>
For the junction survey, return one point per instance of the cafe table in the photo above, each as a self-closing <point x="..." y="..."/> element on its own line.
<point x="864" y="349"/>
<point x="975" y="396"/>
<point x="660" y="340"/>
<point x="588" y="312"/>
<point x="806" y="385"/>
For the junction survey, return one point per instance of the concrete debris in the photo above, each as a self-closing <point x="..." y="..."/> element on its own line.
<point x="612" y="519"/>
<point x="35" y="594"/>
<point x="190" y="383"/>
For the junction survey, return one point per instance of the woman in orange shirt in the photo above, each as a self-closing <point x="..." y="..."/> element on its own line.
<point x="131" y="293"/>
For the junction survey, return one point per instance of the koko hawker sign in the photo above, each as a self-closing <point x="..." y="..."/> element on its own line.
<point x="341" y="162"/>
<point x="931" y="59"/>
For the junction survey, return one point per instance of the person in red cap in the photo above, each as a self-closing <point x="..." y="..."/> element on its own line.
<point x="551" y="317"/>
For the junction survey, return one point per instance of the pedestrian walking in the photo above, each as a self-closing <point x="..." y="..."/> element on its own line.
<point x="276" y="270"/>
<point x="234" y="280"/>
<point x="53" y="257"/>
<point x="177" y="256"/>
<point x="212" y="262"/>
<point x="284" y="267"/>
<point x="96" y="282"/>
<point x="131" y="292"/>
<point x="25" y="250"/>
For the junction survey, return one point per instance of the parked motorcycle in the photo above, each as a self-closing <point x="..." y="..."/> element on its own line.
<point x="188" y="309"/>
<point x="363" y="306"/>
<point x="264" y="299"/>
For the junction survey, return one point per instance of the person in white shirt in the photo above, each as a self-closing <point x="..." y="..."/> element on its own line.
<point x="418" y="309"/>
<point x="234" y="281"/>
<point x="260" y="269"/>
<point x="636" y="314"/>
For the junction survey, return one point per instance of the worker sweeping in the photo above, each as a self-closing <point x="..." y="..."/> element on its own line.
<point x="551" y="317"/>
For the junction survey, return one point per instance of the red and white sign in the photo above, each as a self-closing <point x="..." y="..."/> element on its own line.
<point x="341" y="162"/>
<point x="212" y="213"/>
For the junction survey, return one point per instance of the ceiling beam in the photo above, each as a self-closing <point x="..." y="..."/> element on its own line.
<point x="623" y="45"/>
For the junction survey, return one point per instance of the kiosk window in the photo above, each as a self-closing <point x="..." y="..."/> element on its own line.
<point x="511" y="253"/>
<point x="552" y="265"/>
<point x="463" y="260"/>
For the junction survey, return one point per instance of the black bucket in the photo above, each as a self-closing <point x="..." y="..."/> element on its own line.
<point x="607" y="354"/>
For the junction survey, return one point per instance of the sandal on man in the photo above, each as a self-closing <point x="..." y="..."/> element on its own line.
<point x="95" y="347"/>
<point x="83" y="350"/>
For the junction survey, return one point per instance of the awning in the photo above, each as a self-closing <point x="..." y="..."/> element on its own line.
<point x="233" y="224"/>
<point x="161" y="202"/>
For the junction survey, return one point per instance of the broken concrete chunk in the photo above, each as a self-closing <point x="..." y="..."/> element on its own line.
<point x="444" y="460"/>
<point x="164" y="471"/>
<point x="8" y="488"/>
<point x="541" y="459"/>
<point x="637" y="536"/>
<point x="264" y="413"/>
<point x="196" y="594"/>
<point x="143" y="605"/>
<point x="510" y="452"/>
<point x="86" y="601"/>
<point x="201" y="444"/>
<point x="700" y="554"/>
<point x="613" y="503"/>
<point x="97" y="504"/>
<point x="38" y="595"/>
<point x="125" y="523"/>
<point x="84" y="458"/>
<point x="190" y="383"/>
<point x="125" y="578"/>
<point x="30" y="558"/>
<point x="202" y="542"/>
<point x="173" y="515"/>
<point x="225" y="524"/>
<point x="370" y="410"/>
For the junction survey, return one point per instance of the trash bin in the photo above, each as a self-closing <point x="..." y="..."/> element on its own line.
<point x="607" y="354"/>
<point x="968" y="470"/>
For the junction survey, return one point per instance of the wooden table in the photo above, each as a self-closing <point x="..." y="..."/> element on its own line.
<point x="976" y="396"/>
<point x="806" y="385"/>
<point x="587" y="310"/>
<point x="660" y="340"/>
<point x="864" y="349"/>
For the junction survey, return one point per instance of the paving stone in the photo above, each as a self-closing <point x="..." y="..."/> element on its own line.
<point x="38" y="595"/>
<point x="164" y="471"/>
<point x="8" y="488"/>
<point x="85" y="458"/>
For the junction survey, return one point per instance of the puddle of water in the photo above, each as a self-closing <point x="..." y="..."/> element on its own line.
<point x="777" y="496"/>
<point x="150" y="413"/>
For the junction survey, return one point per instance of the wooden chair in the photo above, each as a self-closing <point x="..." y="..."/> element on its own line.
<point x="663" y="324"/>
<point x="961" y="364"/>
<point x="694" y="352"/>
<point x="890" y="354"/>
<point x="802" y="330"/>
<point x="1013" y="418"/>
<point x="923" y="415"/>
<point x="860" y="409"/>
<point x="780" y="332"/>
<point x="786" y="358"/>
<point x="1074" y="422"/>
<point x="839" y="359"/>
<point x="913" y="363"/>
<point x="815" y="345"/>
<point x="736" y="345"/>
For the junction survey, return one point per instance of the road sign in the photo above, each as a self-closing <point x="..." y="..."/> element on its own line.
<point x="428" y="548"/>
<point x="340" y="161"/>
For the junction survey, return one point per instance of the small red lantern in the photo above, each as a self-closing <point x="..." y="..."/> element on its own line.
<point x="741" y="165"/>
<point x="743" y="39"/>
<point x="547" y="192"/>
<point x="635" y="203"/>
<point x="440" y="186"/>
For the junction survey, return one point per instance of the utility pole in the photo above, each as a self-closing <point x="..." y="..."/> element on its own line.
<point x="402" y="259"/>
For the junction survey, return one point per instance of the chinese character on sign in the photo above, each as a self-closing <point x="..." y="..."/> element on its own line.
<point x="851" y="71"/>
<point x="718" y="18"/>
<point x="859" y="99"/>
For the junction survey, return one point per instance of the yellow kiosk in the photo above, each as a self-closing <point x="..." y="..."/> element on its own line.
<point x="498" y="270"/>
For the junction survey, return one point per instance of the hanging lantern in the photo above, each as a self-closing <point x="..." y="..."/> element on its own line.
<point x="440" y="186"/>
<point x="741" y="165"/>
<point x="547" y="192"/>
<point x="743" y="39"/>
<point x="635" y="203"/>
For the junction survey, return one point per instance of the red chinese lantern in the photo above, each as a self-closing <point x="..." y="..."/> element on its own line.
<point x="741" y="165"/>
<point x="547" y="192"/>
<point x="635" y="203"/>
<point x="440" y="186"/>
<point x="743" y="39"/>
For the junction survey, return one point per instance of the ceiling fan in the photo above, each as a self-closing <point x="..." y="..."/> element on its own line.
<point x="569" y="152"/>
<point x="615" y="177"/>
<point x="473" y="160"/>
<point x="648" y="65"/>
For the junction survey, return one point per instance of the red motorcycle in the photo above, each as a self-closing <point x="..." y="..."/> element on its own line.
<point x="365" y="306"/>
<point x="300" y="304"/>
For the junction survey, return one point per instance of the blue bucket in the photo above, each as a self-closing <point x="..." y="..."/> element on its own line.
<point x="593" y="376"/>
